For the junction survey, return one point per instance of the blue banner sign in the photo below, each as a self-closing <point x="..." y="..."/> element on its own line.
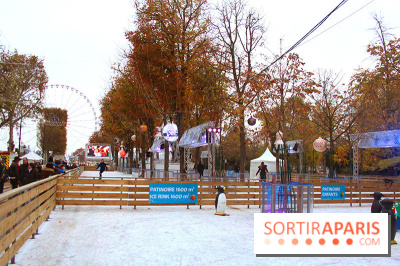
<point x="169" y="193"/>
<point x="332" y="191"/>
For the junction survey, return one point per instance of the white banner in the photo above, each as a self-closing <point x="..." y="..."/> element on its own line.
<point x="320" y="234"/>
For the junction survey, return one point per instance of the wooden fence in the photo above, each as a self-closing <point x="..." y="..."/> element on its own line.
<point x="135" y="191"/>
<point x="23" y="210"/>
<point x="128" y="191"/>
<point x="357" y="191"/>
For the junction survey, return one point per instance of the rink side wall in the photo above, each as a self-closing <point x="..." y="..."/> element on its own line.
<point x="131" y="191"/>
<point x="24" y="209"/>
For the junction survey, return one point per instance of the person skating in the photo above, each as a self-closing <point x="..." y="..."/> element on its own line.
<point x="200" y="169"/>
<point x="236" y="168"/>
<point x="102" y="167"/>
<point x="262" y="169"/>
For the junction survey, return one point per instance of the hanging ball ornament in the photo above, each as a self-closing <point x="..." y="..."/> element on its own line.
<point x="122" y="153"/>
<point x="170" y="132"/>
<point x="143" y="128"/>
<point x="320" y="144"/>
<point x="251" y="121"/>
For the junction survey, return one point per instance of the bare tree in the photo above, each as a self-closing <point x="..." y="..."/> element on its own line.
<point x="239" y="33"/>
<point x="333" y="112"/>
<point x="287" y="85"/>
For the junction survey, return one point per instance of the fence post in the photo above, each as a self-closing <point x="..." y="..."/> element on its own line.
<point x="63" y="193"/>
<point x="120" y="206"/>
<point x="93" y="191"/>
<point x="248" y="194"/>
<point x="135" y="193"/>
<point x="200" y="193"/>
<point x="351" y="196"/>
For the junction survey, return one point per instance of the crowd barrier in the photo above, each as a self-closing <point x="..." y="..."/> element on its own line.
<point x="190" y="175"/>
<point x="24" y="209"/>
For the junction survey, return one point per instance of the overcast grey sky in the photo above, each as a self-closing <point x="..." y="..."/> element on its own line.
<point x="79" y="39"/>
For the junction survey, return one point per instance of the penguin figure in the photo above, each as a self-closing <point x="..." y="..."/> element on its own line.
<point x="220" y="201"/>
<point x="387" y="205"/>
<point x="376" y="207"/>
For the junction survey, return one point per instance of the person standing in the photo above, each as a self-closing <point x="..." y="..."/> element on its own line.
<point x="38" y="168"/>
<point x="3" y="177"/>
<point x="47" y="171"/>
<point x="102" y="167"/>
<point x="236" y="168"/>
<point x="262" y="169"/>
<point x="23" y="168"/>
<point x="200" y="169"/>
<point x="14" y="173"/>
<point x="31" y="174"/>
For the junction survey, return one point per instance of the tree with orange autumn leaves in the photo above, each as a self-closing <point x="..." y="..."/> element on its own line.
<point x="282" y="99"/>
<point x="334" y="113"/>
<point x="118" y="116"/>
<point x="239" y="34"/>
<point x="377" y="91"/>
<point x="182" y="67"/>
<point x="171" y="58"/>
<point x="168" y="73"/>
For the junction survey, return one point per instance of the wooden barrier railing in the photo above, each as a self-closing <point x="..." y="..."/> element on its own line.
<point x="94" y="168"/>
<point x="135" y="192"/>
<point x="23" y="210"/>
<point x="359" y="192"/>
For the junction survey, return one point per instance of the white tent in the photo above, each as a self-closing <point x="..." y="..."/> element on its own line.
<point x="32" y="156"/>
<point x="268" y="159"/>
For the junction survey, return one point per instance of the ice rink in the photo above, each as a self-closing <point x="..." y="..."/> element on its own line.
<point x="108" y="235"/>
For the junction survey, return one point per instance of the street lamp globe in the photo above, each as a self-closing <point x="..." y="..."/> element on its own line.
<point x="278" y="139"/>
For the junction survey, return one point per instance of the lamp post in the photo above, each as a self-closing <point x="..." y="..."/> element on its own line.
<point x="133" y="138"/>
<point x="19" y="140"/>
<point x="143" y="130"/>
<point x="278" y="144"/>
<point x="211" y="140"/>
<point x="313" y="171"/>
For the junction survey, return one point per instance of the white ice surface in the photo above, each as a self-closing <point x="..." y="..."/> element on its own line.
<point x="108" y="235"/>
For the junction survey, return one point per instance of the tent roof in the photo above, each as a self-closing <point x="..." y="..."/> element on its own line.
<point x="32" y="156"/>
<point x="195" y="136"/>
<point x="158" y="146"/>
<point x="380" y="139"/>
<point x="266" y="157"/>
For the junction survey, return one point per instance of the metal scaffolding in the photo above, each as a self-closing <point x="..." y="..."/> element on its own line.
<point x="379" y="139"/>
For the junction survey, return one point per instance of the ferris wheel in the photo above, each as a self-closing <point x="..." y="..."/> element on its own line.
<point x="81" y="122"/>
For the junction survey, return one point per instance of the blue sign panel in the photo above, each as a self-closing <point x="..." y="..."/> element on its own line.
<point x="167" y="193"/>
<point x="332" y="191"/>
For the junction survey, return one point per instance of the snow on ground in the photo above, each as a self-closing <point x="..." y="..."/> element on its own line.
<point x="163" y="235"/>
